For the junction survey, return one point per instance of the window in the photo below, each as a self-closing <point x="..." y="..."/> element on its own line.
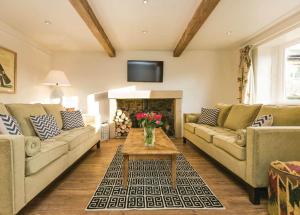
<point x="292" y="73"/>
<point x="277" y="70"/>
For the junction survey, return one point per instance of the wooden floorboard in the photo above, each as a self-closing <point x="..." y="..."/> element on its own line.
<point x="71" y="193"/>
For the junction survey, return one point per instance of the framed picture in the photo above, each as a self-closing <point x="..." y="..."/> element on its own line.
<point x="8" y="67"/>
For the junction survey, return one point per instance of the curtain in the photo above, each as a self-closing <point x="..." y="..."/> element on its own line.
<point x="263" y="75"/>
<point x="245" y="79"/>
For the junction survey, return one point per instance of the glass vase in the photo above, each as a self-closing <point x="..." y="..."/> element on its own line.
<point x="149" y="136"/>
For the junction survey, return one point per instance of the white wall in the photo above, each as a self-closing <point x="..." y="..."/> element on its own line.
<point x="32" y="66"/>
<point x="206" y="77"/>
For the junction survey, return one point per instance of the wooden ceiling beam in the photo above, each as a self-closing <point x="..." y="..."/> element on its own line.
<point x="203" y="11"/>
<point x="85" y="11"/>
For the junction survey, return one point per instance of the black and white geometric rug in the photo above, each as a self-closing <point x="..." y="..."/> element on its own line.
<point x="149" y="187"/>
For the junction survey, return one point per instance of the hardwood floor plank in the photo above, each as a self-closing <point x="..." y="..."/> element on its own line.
<point x="71" y="193"/>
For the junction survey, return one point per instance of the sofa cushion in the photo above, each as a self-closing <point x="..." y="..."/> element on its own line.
<point x="224" y="111"/>
<point x="191" y="117"/>
<point x="282" y="115"/>
<point x="76" y="136"/>
<point x="3" y="109"/>
<point x="228" y="144"/>
<point x="72" y="119"/>
<point x="54" y="109"/>
<point x="50" y="150"/>
<point x="241" y="116"/>
<point x="241" y="137"/>
<point x="32" y="145"/>
<point x="209" y="116"/>
<point x="9" y="125"/>
<point x="45" y="126"/>
<point x="207" y="132"/>
<point x="190" y="126"/>
<point x="263" y="121"/>
<point x="22" y="113"/>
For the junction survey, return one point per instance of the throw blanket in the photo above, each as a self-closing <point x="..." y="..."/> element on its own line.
<point x="241" y="137"/>
<point x="32" y="146"/>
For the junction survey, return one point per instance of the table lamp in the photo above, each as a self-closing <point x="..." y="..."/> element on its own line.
<point x="57" y="79"/>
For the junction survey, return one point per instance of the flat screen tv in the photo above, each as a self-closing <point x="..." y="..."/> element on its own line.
<point x="145" y="71"/>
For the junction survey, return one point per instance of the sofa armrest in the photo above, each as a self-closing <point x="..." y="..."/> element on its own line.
<point x="191" y="117"/>
<point x="12" y="173"/>
<point x="266" y="144"/>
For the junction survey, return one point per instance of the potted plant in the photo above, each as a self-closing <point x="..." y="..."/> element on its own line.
<point x="149" y="121"/>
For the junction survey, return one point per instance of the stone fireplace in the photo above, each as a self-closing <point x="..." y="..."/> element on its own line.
<point x="165" y="107"/>
<point x="167" y="102"/>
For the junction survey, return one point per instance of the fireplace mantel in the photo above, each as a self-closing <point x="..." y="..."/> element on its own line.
<point x="145" y="94"/>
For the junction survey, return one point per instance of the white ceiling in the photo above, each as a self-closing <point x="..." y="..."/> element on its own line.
<point x="67" y="31"/>
<point x="124" y="21"/>
<point x="244" y="18"/>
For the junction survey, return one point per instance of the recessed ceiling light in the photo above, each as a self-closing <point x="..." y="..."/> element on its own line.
<point x="145" y="1"/>
<point x="228" y="33"/>
<point x="144" y="32"/>
<point x="47" y="22"/>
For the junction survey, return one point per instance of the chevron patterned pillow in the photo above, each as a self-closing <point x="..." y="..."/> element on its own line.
<point x="45" y="126"/>
<point x="264" y="120"/>
<point x="72" y="119"/>
<point x="9" y="125"/>
<point x="209" y="116"/>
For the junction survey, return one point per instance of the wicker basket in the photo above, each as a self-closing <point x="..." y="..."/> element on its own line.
<point x="284" y="188"/>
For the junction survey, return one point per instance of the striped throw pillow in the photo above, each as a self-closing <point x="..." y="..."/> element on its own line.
<point x="9" y="125"/>
<point x="264" y="120"/>
<point x="209" y="116"/>
<point x="45" y="126"/>
<point x="72" y="119"/>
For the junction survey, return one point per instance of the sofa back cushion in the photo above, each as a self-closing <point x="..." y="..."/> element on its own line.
<point x="22" y="113"/>
<point x="241" y="116"/>
<point x="54" y="110"/>
<point x="282" y="115"/>
<point x="223" y="113"/>
<point x="3" y="109"/>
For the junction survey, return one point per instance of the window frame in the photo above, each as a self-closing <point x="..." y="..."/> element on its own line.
<point x="282" y="74"/>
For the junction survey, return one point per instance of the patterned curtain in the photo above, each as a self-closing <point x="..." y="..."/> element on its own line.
<point x="246" y="76"/>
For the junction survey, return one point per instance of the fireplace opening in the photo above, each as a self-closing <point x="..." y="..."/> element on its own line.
<point x="166" y="107"/>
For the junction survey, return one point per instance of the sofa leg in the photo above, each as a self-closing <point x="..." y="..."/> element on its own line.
<point x="254" y="195"/>
<point x="184" y="140"/>
<point x="98" y="145"/>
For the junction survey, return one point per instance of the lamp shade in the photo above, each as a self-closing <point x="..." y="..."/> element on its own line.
<point x="56" y="77"/>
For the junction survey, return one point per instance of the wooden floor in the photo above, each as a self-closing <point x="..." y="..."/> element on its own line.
<point x="71" y="193"/>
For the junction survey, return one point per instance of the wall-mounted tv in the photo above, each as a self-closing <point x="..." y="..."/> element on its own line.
<point x="145" y="71"/>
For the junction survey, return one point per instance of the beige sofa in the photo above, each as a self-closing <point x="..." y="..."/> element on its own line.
<point x="25" y="168"/>
<point x="248" y="160"/>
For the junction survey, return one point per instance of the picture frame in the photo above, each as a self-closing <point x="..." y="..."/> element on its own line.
<point x="8" y="71"/>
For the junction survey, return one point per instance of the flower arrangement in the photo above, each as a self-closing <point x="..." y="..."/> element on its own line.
<point x="149" y="121"/>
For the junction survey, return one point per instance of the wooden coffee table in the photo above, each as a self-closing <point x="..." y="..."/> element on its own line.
<point x="135" y="149"/>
